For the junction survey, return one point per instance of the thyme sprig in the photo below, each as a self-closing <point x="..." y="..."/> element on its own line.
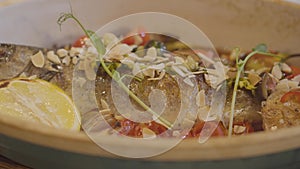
<point x="115" y="75"/>
<point x="240" y="65"/>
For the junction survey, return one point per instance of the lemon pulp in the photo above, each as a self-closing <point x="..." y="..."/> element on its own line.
<point x="38" y="101"/>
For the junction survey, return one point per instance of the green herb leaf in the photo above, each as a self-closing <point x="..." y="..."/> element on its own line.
<point x="261" y="48"/>
<point x="98" y="42"/>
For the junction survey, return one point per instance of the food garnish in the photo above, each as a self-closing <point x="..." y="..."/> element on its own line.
<point x="38" y="101"/>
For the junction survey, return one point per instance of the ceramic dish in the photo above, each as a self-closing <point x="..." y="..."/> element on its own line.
<point x="227" y="23"/>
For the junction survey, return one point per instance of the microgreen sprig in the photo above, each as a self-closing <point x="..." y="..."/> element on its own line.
<point x="240" y="64"/>
<point x="115" y="75"/>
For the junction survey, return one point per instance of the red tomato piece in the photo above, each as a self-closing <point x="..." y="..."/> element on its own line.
<point x="130" y="128"/>
<point x="295" y="72"/>
<point x="137" y="37"/>
<point x="198" y="126"/>
<point x="79" y="43"/>
<point x="156" y="127"/>
<point x="293" y="95"/>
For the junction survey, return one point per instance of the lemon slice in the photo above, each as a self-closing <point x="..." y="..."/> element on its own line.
<point x="38" y="101"/>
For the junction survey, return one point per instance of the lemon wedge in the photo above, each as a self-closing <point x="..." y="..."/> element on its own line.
<point x="38" y="101"/>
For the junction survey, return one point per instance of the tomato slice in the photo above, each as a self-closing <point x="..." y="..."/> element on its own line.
<point x="79" y="43"/>
<point x="137" y="37"/>
<point x="198" y="126"/>
<point x="293" y="95"/>
<point x="134" y="129"/>
<point x="295" y="72"/>
<point x="130" y="128"/>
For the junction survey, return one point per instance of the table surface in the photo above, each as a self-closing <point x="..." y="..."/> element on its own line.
<point x="8" y="164"/>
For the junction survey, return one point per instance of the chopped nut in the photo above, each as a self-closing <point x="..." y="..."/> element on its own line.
<point x="66" y="61"/>
<point x="118" y="52"/>
<point x="104" y="104"/>
<point x="188" y="81"/>
<point x="281" y="121"/>
<point x="147" y="133"/>
<point x="179" y="60"/>
<point x="105" y="111"/>
<point x="151" y="52"/>
<point x="149" y="72"/>
<point x="81" y="65"/>
<point x="178" y="71"/>
<point x="276" y="71"/>
<point x="62" y="53"/>
<point x="75" y="60"/>
<point x="274" y="128"/>
<point x="75" y="51"/>
<point x="296" y="78"/>
<point x="285" y="68"/>
<point x="89" y="68"/>
<point x="203" y="113"/>
<point x="53" y="57"/>
<point x="254" y="78"/>
<point x="237" y="129"/>
<point x="200" y="98"/>
<point x="109" y="40"/>
<point x="161" y="75"/>
<point x="38" y="60"/>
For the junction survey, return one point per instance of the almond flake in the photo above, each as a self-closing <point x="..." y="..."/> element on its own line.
<point x="53" y="57"/>
<point x="276" y="71"/>
<point x="62" y="53"/>
<point x="147" y="133"/>
<point x="38" y="59"/>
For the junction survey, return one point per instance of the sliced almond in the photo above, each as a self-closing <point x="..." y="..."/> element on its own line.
<point x="66" y="60"/>
<point x="75" y="60"/>
<point x="89" y="68"/>
<point x="200" y="98"/>
<point x="104" y="104"/>
<point x="254" y="78"/>
<point x="237" y="129"/>
<point x="38" y="60"/>
<point x="285" y="68"/>
<point x="296" y="78"/>
<point x="188" y="81"/>
<point x="178" y="71"/>
<point x="62" y="53"/>
<point x="147" y="133"/>
<point x="276" y="71"/>
<point x="75" y="51"/>
<point x="149" y="72"/>
<point x="51" y="56"/>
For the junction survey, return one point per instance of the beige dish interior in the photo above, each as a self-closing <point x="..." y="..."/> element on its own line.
<point x="274" y="22"/>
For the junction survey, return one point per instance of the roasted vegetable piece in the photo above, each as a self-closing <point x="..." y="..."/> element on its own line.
<point x="259" y="61"/>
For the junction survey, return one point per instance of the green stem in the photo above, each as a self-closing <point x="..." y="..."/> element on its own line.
<point x="119" y="81"/>
<point x="240" y="68"/>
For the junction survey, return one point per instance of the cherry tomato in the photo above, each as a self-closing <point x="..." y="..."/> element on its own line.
<point x="134" y="129"/>
<point x="130" y="128"/>
<point x="293" y="95"/>
<point x="79" y="42"/>
<point x="198" y="126"/>
<point x="295" y="72"/>
<point x="137" y="37"/>
<point x="156" y="127"/>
